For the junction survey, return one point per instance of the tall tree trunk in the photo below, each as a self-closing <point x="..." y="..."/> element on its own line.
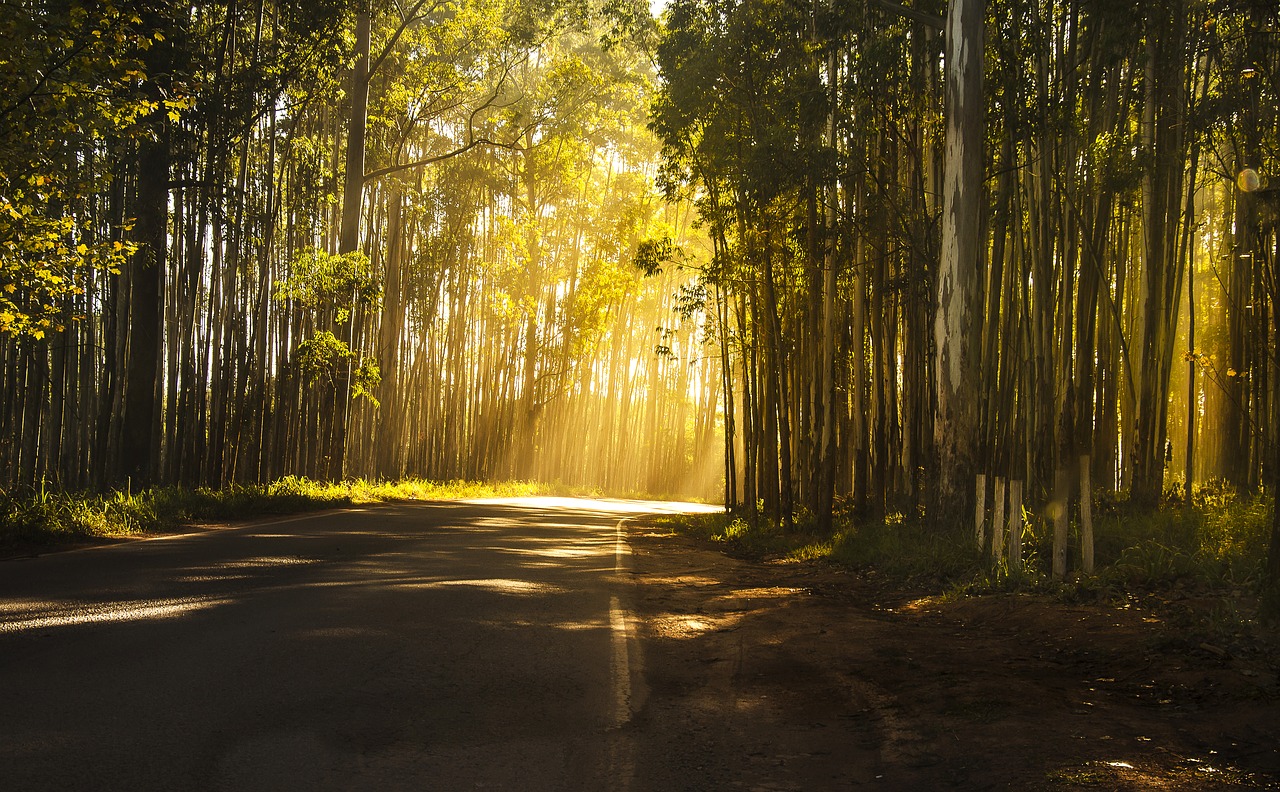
<point x="349" y="233"/>
<point x="957" y="321"/>
<point x="1163" y="139"/>
<point x="146" y="272"/>
<point x="353" y="186"/>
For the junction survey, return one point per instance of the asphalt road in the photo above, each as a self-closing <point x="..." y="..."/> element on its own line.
<point x="449" y="646"/>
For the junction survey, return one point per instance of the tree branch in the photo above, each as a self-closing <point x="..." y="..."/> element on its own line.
<point x="472" y="140"/>
<point x="44" y="78"/>
<point x="407" y="20"/>
<point x="380" y="172"/>
<point x="923" y="18"/>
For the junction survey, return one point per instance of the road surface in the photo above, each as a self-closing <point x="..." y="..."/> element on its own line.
<point x="470" y="645"/>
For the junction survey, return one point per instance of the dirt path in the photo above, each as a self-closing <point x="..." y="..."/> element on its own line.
<point x="817" y="679"/>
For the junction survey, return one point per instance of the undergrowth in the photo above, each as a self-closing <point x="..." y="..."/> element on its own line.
<point x="46" y="516"/>
<point x="900" y="547"/>
<point x="1218" y="543"/>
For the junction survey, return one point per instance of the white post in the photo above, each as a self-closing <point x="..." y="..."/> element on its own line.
<point x="980" y="511"/>
<point x="1015" y="524"/>
<point x="997" y="522"/>
<point x="1058" y="510"/>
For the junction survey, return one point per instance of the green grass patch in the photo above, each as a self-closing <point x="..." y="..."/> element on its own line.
<point x="45" y="516"/>
<point x="906" y="549"/>
<point x="1221" y="540"/>
<point x="898" y="547"/>
<point x="1218" y="543"/>
<point x="740" y="538"/>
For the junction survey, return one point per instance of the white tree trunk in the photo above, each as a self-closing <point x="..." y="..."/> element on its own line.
<point x="997" y="522"/>
<point x="1015" y="524"/>
<point x="957" y="325"/>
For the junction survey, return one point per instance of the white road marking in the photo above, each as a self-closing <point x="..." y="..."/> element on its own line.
<point x="620" y="637"/>
<point x="618" y="548"/>
<point x="621" y="665"/>
<point x="624" y="664"/>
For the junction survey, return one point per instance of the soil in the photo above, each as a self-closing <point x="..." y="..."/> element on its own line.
<point x="808" y="676"/>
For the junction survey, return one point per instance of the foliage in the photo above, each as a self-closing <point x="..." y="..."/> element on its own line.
<point x="911" y="550"/>
<point x="652" y="255"/>
<point x="43" y="264"/>
<point x="331" y="285"/>
<point x="71" y="82"/>
<point x="321" y="356"/>
<point x="1220" y="541"/>
<point x="320" y="281"/>
<point x="365" y="381"/>
<point x="737" y="536"/>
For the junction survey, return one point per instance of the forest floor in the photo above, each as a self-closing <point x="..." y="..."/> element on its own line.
<point x="1007" y="691"/>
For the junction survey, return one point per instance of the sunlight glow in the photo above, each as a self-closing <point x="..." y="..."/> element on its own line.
<point x="572" y="626"/>
<point x="680" y="626"/>
<point x="559" y="552"/>
<point x="496" y="585"/>
<point x="609" y="505"/>
<point x="125" y="611"/>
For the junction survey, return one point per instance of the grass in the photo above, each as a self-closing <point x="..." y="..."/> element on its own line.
<point x="1217" y="544"/>
<point x="901" y="548"/>
<point x="1220" y="541"/>
<point x="46" y="516"/>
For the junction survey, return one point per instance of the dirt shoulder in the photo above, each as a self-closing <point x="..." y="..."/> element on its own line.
<point x="802" y="676"/>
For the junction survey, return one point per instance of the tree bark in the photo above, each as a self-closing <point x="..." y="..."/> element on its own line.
<point x="145" y="333"/>
<point x="957" y="321"/>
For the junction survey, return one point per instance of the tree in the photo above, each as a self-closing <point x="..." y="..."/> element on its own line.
<point x="957" y="323"/>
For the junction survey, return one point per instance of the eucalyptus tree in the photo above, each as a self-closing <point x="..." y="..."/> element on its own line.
<point x="72" y="100"/>
<point x="118" y="90"/>
<point x="958" y="322"/>
<point x="1050" y="250"/>
<point x="745" y="116"/>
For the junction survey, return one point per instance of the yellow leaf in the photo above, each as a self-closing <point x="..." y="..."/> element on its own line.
<point x="38" y="334"/>
<point x="82" y="248"/>
<point x="10" y="288"/>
